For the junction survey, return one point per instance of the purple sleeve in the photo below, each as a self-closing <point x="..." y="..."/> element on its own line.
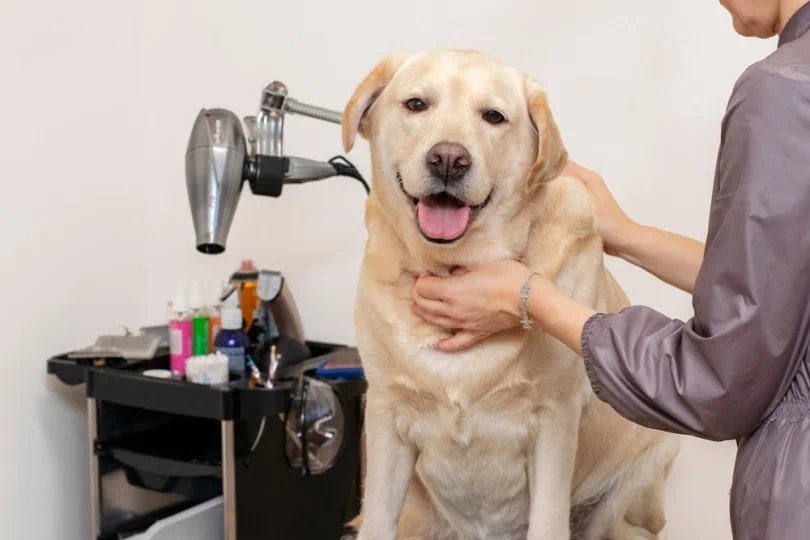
<point x="719" y="374"/>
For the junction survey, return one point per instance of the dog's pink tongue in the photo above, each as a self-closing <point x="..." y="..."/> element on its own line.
<point x="442" y="222"/>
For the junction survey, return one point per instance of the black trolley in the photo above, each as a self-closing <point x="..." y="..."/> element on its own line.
<point x="190" y="443"/>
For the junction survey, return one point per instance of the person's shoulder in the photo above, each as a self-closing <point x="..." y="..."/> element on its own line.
<point x="776" y="84"/>
<point x="791" y="60"/>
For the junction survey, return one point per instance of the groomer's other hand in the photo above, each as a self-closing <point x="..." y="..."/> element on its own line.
<point x="613" y="224"/>
<point x="475" y="303"/>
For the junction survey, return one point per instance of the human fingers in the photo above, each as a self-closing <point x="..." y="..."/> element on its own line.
<point x="431" y="287"/>
<point x="572" y="168"/>
<point x="438" y="320"/>
<point x="459" y="271"/>
<point x="434" y="307"/>
<point x="600" y="193"/>
<point x="463" y="340"/>
<point x="586" y="175"/>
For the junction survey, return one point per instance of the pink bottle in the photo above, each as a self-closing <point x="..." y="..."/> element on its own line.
<point x="180" y="334"/>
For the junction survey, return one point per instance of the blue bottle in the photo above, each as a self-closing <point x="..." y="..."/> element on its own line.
<point x="232" y="341"/>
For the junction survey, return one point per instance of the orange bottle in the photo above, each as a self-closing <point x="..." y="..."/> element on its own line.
<point x="246" y="279"/>
<point x="214" y="316"/>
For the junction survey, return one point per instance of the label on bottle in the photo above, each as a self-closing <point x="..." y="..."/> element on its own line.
<point x="236" y="358"/>
<point x="175" y="341"/>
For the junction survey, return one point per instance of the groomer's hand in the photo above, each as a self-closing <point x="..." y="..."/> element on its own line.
<point x="476" y="304"/>
<point x="613" y="224"/>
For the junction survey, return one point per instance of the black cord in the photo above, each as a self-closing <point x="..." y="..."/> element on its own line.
<point x="346" y="168"/>
<point x="304" y="427"/>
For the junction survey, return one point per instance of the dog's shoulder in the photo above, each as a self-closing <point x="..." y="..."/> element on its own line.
<point x="567" y="203"/>
<point x="563" y="233"/>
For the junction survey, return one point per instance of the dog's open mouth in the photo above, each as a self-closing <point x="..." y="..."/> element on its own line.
<point x="442" y="217"/>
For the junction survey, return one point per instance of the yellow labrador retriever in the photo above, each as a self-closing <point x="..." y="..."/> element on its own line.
<point x="505" y="440"/>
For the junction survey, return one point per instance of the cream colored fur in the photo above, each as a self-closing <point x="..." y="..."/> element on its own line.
<point x="505" y="440"/>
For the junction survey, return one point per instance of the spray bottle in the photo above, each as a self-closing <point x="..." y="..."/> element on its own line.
<point x="199" y="321"/>
<point x="232" y="340"/>
<point x="180" y="333"/>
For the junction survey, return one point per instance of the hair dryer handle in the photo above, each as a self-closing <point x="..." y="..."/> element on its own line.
<point x="268" y="174"/>
<point x="301" y="170"/>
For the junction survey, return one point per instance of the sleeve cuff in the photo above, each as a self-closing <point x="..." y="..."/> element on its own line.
<point x="588" y="331"/>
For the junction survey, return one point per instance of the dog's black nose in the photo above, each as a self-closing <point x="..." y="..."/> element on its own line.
<point x="449" y="161"/>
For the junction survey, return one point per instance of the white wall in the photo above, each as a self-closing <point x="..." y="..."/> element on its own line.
<point x="93" y="212"/>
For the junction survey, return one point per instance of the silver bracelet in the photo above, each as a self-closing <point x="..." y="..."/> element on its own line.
<point x="524" y="301"/>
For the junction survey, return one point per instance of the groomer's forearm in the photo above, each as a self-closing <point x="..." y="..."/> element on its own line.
<point x="558" y="315"/>
<point x="670" y="257"/>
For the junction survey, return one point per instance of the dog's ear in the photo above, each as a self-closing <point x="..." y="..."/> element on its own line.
<point x="357" y="111"/>
<point x="551" y="153"/>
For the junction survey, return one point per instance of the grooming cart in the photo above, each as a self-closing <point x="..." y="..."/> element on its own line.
<point x="208" y="461"/>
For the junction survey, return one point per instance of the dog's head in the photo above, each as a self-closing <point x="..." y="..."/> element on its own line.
<point x="459" y="141"/>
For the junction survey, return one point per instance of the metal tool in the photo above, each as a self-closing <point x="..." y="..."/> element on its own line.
<point x="283" y="318"/>
<point x="127" y="347"/>
<point x="219" y="159"/>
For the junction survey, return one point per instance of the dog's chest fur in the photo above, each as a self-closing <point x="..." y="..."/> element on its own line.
<point x="473" y="436"/>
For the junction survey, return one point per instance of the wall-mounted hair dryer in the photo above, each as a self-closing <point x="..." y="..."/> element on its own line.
<point x="219" y="159"/>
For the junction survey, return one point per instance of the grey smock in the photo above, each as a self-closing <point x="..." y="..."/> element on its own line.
<point x="739" y="369"/>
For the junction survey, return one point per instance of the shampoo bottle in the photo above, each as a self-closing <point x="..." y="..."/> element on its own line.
<point x="180" y="333"/>
<point x="199" y="321"/>
<point x="232" y="340"/>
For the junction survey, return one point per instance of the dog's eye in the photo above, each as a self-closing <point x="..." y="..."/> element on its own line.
<point x="494" y="117"/>
<point x="415" y="105"/>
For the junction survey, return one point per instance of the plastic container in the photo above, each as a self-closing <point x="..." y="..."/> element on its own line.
<point x="199" y="322"/>
<point x="180" y="333"/>
<point x="232" y="340"/>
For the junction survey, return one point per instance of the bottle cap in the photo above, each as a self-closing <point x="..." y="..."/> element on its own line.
<point x="195" y="298"/>
<point x="247" y="264"/>
<point x="231" y="319"/>
<point x="180" y="302"/>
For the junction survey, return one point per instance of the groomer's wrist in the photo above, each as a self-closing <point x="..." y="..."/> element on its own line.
<point x="544" y="302"/>
<point x="560" y="316"/>
<point x="511" y="293"/>
<point x="629" y="244"/>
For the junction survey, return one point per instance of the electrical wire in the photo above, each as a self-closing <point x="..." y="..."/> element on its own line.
<point x="346" y="168"/>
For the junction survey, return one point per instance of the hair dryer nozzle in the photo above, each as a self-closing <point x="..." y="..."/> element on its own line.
<point x="215" y="161"/>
